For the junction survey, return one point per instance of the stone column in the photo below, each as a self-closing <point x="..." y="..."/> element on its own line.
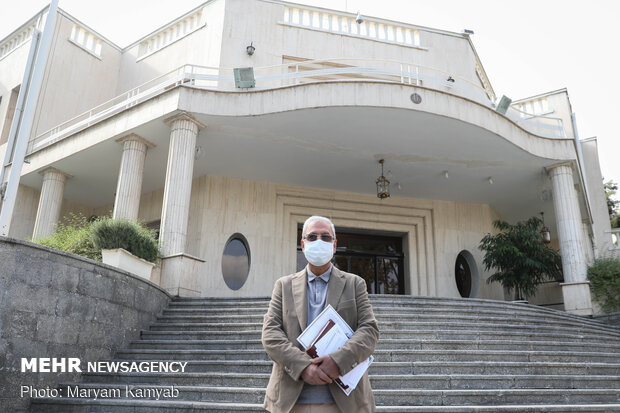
<point x="50" y="202"/>
<point x="129" y="186"/>
<point x="576" y="288"/>
<point x="178" y="186"/>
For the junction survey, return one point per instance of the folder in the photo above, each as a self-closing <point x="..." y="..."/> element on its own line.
<point x="326" y="334"/>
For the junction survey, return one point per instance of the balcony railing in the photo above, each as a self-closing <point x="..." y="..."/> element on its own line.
<point x="295" y="73"/>
<point x="615" y="236"/>
<point x="543" y="125"/>
<point x="344" y="23"/>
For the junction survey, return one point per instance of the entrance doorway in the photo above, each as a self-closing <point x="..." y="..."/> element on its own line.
<point x="378" y="259"/>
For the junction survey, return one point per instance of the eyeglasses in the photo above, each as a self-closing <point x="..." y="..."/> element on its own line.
<point x="324" y="237"/>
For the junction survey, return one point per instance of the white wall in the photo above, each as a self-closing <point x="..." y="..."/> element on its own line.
<point x="201" y="48"/>
<point x="12" y="67"/>
<point x="448" y="52"/>
<point x="75" y="80"/>
<point x="268" y="214"/>
<point x="598" y="203"/>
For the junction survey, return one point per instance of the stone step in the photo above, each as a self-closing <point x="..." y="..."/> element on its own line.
<point x="493" y="381"/>
<point x="521" y="408"/>
<point x="188" y="331"/>
<point x="413" y="312"/>
<point x="505" y="317"/>
<point x="420" y="367"/>
<point x="255" y="395"/>
<point x="196" y="354"/>
<point x="381" y="308"/>
<point x="434" y="354"/>
<point x="397" y="320"/>
<point x="385" y="355"/>
<point x="414" y="344"/>
<point x="148" y="406"/>
<point x="411" y="397"/>
<point x="78" y="405"/>
<point x="378" y="381"/>
<point x="378" y="301"/>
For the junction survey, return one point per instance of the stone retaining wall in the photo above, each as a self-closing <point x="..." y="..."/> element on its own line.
<point x="55" y="304"/>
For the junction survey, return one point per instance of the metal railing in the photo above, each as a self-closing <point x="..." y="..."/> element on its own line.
<point x="542" y="125"/>
<point x="288" y="74"/>
<point x="615" y="236"/>
<point x="107" y="109"/>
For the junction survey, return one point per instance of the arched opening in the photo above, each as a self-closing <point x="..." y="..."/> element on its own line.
<point x="466" y="274"/>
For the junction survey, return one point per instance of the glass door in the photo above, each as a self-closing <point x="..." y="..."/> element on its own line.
<point x="378" y="259"/>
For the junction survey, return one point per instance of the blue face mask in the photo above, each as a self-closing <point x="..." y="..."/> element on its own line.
<point x="318" y="252"/>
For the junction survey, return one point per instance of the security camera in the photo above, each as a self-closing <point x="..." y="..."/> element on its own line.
<point x="359" y="19"/>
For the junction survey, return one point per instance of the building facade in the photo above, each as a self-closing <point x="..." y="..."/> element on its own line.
<point x="226" y="128"/>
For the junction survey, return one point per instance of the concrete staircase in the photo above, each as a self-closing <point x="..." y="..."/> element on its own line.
<point x="434" y="355"/>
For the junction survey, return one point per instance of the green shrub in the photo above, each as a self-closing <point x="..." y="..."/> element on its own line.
<point x="604" y="276"/>
<point x="519" y="257"/>
<point x="73" y="236"/>
<point x="110" y="233"/>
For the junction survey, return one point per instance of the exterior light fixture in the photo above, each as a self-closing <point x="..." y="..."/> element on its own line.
<point x="359" y="19"/>
<point x="450" y="79"/>
<point x="544" y="232"/>
<point x="503" y="105"/>
<point x="468" y="32"/>
<point x="383" y="185"/>
<point x="250" y="49"/>
<point x="446" y="174"/>
<point x="199" y="153"/>
<point x="244" y="77"/>
<point x="490" y="179"/>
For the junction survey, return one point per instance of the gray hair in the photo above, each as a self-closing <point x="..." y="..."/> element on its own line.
<point x="317" y="218"/>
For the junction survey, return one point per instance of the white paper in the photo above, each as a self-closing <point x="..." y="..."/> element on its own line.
<point x="333" y="339"/>
<point x="309" y="334"/>
<point x="354" y="376"/>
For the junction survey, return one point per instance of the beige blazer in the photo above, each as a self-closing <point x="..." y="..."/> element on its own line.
<point x="287" y="318"/>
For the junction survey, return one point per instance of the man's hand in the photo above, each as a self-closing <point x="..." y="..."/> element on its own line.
<point x="314" y="375"/>
<point x="328" y="365"/>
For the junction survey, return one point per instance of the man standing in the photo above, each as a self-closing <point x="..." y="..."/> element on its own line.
<point x="299" y="384"/>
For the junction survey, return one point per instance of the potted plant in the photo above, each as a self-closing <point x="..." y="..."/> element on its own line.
<point x="126" y="244"/>
<point x="73" y="234"/>
<point x="520" y="257"/>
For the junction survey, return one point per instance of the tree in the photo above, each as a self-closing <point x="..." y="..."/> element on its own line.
<point x="610" y="192"/>
<point x="521" y="260"/>
<point x="604" y="277"/>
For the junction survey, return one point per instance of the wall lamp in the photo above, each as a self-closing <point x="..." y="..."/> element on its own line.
<point x="250" y="49"/>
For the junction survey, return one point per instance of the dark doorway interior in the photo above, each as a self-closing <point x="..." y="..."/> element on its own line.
<point x="378" y="259"/>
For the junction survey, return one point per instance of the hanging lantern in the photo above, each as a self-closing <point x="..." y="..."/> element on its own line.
<point x="383" y="185"/>
<point x="544" y="232"/>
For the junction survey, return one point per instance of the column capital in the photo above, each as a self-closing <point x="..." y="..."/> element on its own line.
<point x="51" y="169"/>
<point x="184" y="116"/>
<point x="570" y="164"/>
<point x="137" y="138"/>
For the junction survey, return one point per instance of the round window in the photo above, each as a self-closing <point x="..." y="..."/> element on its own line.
<point x="462" y="273"/>
<point x="236" y="262"/>
<point x="466" y="274"/>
